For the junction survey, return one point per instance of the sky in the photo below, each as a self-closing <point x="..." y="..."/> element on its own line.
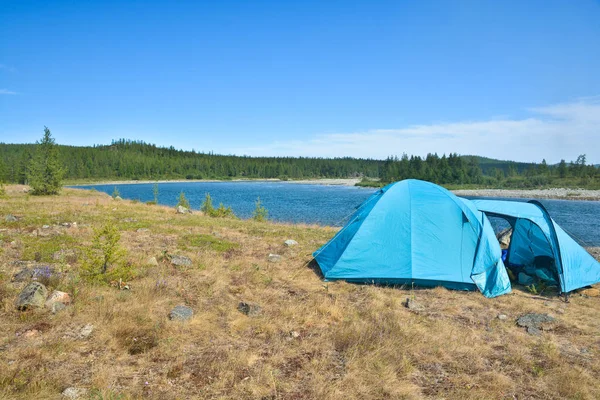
<point x="514" y="80"/>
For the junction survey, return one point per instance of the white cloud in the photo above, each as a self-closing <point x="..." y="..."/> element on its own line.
<point x="553" y="132"/>
<point x="6" y="91"/>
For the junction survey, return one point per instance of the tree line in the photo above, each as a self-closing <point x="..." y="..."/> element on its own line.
<point x="137" y="160"/>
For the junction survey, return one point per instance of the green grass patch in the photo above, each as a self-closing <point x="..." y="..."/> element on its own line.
<point x="41" y="249"/>
<point x="207" y="242"/>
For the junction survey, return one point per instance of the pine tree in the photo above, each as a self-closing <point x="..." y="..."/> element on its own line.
<point x="45" y="171"/>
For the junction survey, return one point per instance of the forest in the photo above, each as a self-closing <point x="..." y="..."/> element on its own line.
<point x="135" y="160"/>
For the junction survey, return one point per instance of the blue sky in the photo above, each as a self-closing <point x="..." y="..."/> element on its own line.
<point x="506" y="79"/>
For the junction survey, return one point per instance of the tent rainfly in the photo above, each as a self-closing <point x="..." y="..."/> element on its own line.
<point x="417" y="232"/>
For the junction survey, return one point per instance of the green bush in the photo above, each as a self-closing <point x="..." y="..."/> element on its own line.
<point x="221" y="212"/>
<point x="116" y="193"/>
<point x="183" y="201"/>
<point x="260" y="213"/>
<point x="207" y="206"/>
<point x="104" y="259"/>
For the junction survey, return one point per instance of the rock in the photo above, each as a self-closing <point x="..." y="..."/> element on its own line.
<point x="10" y="218"/>
<point x="502" y="317"/>
<point x="23" y="275"/>
<point x="45" y="226"/>
<point x="57" y="307"/>
<point x="294" y="334"/>
<point x="290" y="243"/>
<point x="274" y="258"/>
<point x="413" y="305"/>
<point x="181" y="313"/>
<point x="535" y="323"/>
<point x="141" y="230"/>
<point x="33" y="295"/>
<point x="66" y="224"/>
<point x="58" y="297"/>
<point x="249" y="309"/>
<point x="117" y="198"/>
<point x="129" y="220"/>
<point x="181" y="261"/>
<point x="31" y="333"/>
<point x="86" y="331"/>
<point x="183" y="210"/>
<point x="592" y="292"/>
<point x="525" y="279"/>
<point x="152" y="261"/>
<point x="74" y="393"/>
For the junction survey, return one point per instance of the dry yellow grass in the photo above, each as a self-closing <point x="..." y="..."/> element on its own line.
<point x="312" y="340"/>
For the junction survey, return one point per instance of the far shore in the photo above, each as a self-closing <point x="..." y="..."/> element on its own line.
<point x="551" y="193"/>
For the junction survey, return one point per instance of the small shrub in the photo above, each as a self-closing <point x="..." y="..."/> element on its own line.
<point x="116" y="193"/>
<point x="220" y="212"/>
<point x="104" y="257"/>
<point x="183" y="201"/>
<point x="155" y="192"/>
<point x="260" y="213"/>
<point x="207" y="206"/>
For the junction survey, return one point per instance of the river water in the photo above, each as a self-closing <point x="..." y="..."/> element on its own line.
<point x="326" y="205"/>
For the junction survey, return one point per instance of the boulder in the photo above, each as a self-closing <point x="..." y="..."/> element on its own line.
<point x="58" y="297"/>
<point x="274" y="258"/>
<point x="117" y="198"/>
<point x="535" y="323"/>
<point x="413" y="305"/>
<point x="249" y="309"/>
<point x="181" y="261"/>
<point x="33" y="295"/>
<point x="290" y="243"/>
<point x="152" y="261"/>
<point x="74" y="393"/>
<point x="183" y="210"/>
<point x="10" y="218"/>
<point x="181" y="313"/>
<point x="502" y="317"/>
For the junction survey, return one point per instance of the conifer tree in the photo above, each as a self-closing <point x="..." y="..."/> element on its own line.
<point x="45" y="172"/>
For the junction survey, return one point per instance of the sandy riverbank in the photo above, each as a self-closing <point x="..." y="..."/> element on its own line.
<point x="555" y="193"/>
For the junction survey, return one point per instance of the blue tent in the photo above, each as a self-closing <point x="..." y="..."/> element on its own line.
<point x="417" y="232"/>
<point x="536" y="236"/>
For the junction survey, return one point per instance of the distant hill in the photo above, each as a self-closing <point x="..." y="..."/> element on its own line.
<point x="488" y="164"/>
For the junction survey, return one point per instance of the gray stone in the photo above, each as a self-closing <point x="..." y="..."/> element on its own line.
<point x="502" y="317"/>
<point x="181" y="261"/>
<point x="23" y="275"/>
<point x="33" y="295"/>
<point x="183" y="210"/>
<point x="10" y="218"/>
<point x="274" y="258"/>
<point x="45" y="226"/>
<point x="413" y="305"/>
<point x="525" y="279"/>
<point x="535" y="323"/>
<point x="152" y="261"/>
<point x="290" y="243"/>
<point x="181" y="313"/>
<point x="118" y="198"/>
<point x="74" y="393"/>
<point x="86" y="331"/>
<point x="57" y="307"/>
<point x="58" y="297"/>
<point x="249" y="309"/>
<point x="140" y="230"/>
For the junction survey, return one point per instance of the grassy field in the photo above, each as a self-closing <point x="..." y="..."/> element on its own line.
<point x="310" y="340"/>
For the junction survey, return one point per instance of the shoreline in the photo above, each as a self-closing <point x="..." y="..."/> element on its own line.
<point x="551" y="193"/>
